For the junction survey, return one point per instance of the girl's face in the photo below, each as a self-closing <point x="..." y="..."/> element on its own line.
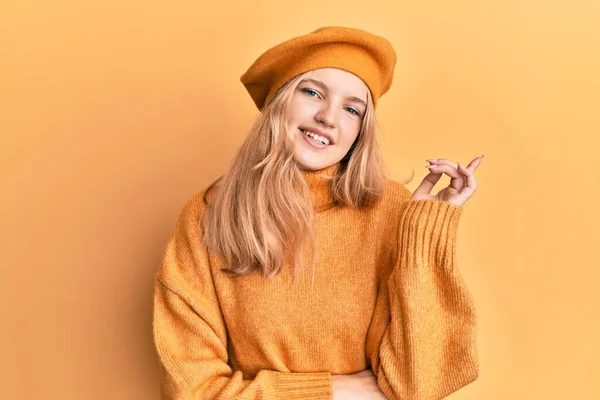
<point x="324" y="116"/>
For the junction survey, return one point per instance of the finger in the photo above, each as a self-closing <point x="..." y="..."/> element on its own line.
<point x="470" y="182"/>
<point x="456" y="178"/>
<point x="432" y="168"/>
<point x="474" y="164"/>
<point x="448" y="169"/>
<point x="428" y="183"/>
<point x="435" y="166"/>
<point x="440" y="161"/>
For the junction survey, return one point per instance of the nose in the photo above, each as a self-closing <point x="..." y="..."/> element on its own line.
<point x="327" y="115"/>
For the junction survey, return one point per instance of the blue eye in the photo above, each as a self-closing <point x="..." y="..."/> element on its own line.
<point x="308" y="91"/>
<point x="313" y="93"/>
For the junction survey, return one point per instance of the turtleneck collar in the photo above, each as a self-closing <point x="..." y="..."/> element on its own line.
<point x="319" y="182"/>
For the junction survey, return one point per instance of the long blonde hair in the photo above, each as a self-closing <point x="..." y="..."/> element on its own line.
<point x="247" y="217"/>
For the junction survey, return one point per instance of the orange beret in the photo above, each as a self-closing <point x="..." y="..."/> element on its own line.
<point x="370" y="57"/>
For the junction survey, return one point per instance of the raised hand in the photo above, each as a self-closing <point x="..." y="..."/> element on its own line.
<point x="462" y="181"/>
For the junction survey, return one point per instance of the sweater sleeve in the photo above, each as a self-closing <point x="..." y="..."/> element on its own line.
<point x="190" y="335"/>
<point x="425" y="346"/>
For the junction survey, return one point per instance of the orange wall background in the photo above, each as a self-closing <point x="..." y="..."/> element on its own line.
<point x="114" y="113"/>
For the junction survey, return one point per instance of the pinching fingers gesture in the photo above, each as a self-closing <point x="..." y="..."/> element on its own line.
<point x="462" y="181"/>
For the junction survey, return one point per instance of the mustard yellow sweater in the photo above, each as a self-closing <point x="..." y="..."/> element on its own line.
<point x="387" y="296"/>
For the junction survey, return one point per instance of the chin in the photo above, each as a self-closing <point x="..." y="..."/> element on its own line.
<point x="313" y="165"/>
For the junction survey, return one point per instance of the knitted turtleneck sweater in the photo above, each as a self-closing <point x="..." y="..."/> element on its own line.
<point x="387" y="296"/>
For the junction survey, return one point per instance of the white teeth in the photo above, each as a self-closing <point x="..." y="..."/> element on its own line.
<point x="316" y="137"/>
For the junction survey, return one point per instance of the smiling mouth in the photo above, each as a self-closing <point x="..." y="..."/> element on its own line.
<point x="316" y="138"/>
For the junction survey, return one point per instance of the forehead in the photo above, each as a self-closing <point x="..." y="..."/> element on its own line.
<point x="341" y="81"/>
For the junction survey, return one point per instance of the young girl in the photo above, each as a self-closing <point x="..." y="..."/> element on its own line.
<point x="304" y="272"/>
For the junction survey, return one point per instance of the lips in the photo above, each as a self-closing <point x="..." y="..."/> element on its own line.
<point x="318" y="132"/>
<point x="312" y="142"/>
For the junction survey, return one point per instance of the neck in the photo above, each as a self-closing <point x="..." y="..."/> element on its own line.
<point x="319" y="183"/>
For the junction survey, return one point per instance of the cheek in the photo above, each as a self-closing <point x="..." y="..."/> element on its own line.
<point x="293" y="116"/>
<point x="299" y="107"/>
<point x="350" y="133"/>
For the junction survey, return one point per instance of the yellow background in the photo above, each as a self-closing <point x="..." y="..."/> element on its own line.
<point x="114" y="113"/>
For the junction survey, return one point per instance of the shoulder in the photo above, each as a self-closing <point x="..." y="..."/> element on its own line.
<point x="394" y="195"/>
<point x="190" y="216"/>
<point x="185" y="268"/>
<point x="194" y="207"/>
<point x="395" y="192"/>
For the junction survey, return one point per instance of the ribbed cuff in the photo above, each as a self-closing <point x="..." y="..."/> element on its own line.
<point x="427" y="232"/>
<point x="457" y="375"/>
<point x="465" y="374"/>
<point x="299" y="386"/>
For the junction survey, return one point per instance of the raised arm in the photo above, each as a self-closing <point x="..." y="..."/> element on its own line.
<point x="191" y="337"/>
<point x="422" y="342"/>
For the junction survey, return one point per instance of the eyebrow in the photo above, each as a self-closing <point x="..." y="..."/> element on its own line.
<point x="325" y="87"/>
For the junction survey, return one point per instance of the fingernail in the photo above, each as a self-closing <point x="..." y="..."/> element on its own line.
<point x="432" y="159"/>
